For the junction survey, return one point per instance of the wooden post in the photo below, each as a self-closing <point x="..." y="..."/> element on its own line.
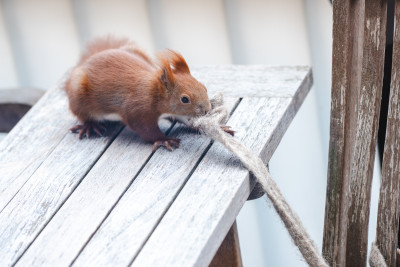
<point x="228" y="253"/>
<point x="357" y="73"/>
<point x="388" y="211"/>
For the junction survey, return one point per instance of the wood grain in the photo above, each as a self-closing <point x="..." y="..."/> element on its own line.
<point x="228" y="253"/>
<point x="388" y="210"/>
<point x="31" y="142"/>
<point x="358" y="54"/>
<point x="252" y="80"/>
<point x="55" y="201"/>
<point x="207" y="214"/>
<point x="155" y="178"/>
<point x="44" y="193"/>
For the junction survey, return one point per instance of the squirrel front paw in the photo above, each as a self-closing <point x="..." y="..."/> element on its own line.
<point x="168" y="143"/>
<point x="87" y="128"/>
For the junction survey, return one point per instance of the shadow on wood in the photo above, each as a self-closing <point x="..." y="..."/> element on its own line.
<point x="14" y="104"/>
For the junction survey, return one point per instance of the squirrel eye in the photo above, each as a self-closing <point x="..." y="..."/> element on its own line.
<point x="185" y="99"/>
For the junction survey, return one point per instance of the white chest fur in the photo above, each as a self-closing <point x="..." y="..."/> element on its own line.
<point x="109" y="117"/>
<point x="182" y="119"/>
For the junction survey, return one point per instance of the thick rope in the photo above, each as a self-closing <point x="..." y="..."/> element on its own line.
<point x="209" y="125"/>
<point x="376" y="258"/>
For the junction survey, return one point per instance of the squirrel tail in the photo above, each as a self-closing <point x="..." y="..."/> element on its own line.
<point x="103" y="43"/>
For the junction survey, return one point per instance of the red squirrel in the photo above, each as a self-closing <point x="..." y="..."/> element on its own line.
<point x="116" y="80"/>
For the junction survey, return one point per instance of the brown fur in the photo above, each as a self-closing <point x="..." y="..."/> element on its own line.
<point x="114" y="76"/>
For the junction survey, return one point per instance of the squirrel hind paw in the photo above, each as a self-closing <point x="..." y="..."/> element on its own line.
<point x="87" y="128"/>
<point x="228" y="130"/>
<point x="168" y="144"/>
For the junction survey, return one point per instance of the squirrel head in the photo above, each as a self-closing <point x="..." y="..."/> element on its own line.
<point x="186" y="96"/>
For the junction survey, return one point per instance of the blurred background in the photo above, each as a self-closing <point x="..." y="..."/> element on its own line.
<point x="41" y="39"/>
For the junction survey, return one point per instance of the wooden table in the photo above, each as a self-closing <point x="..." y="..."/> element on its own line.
<point x="111" y="201"/>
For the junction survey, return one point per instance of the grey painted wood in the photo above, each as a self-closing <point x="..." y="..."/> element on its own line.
<point x="195" y="225"/>
<point x="81" y="215"/>
<point x="129" y="226"/>
<point x="48" y="187"/>
<point x="42" y="173"/>
<point x="253" y="80"/>
<point x="31" y="141"/>
<point x="30" y="148"/>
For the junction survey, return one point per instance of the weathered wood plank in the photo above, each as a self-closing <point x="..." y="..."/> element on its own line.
<point x="151" y="192"/>
<point x="228" y="253"/>
<point x="398" y="258"/>
<point x="358" y="54"/>
<point x="334" y="240"/>
<point x="366" y="131"/>
<point x="253" y="80"/>
<point x="260" y="124"/>
<point x="31" y="141"/>
<point x="48" y="187"/>
<point x="30" y="148"/>
<point x="57" y="150"/>
<point x="388" y="210"/>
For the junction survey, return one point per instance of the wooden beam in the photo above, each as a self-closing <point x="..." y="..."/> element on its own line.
<point x="357" y="75"/>
<point x="228" y="253"/>
<point x="388" y="211"/>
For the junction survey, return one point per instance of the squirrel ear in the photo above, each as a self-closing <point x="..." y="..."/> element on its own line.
<point x="167" y="79"/>
<point x="178" y="62"/>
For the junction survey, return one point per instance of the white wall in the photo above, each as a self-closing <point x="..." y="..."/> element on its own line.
<point x="44" y="39"/>
<point x="8" y="74"/>
<point x="197" y="29"/>
<point x="118" y="17"/>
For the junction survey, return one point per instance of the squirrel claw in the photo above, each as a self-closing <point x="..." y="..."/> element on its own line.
<point x="87" y="128"/>
<point x="228" y="130"/>
<point x="167" y="143"/>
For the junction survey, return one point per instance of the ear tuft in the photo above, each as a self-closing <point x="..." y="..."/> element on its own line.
<point x="164" y="78"/>
<point x="178" y="62"/>
<point x="166" y="75"/>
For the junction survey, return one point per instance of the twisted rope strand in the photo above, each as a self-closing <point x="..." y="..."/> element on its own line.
<point x="209" y="125"/>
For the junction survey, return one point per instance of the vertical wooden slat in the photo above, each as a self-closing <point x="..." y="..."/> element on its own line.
<point x="228" y="253"/>
<point x="335" y="222"/>
<point x="358" y="54"/>
<point x="366" y="130"/>
<point x="388" y="213"/>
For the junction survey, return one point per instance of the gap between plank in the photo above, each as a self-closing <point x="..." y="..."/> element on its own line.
<point x="119" y="198"/>
<point x="182" y="186"/>
<point x="44" y="159"/>
<point x="72" y="191"/>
